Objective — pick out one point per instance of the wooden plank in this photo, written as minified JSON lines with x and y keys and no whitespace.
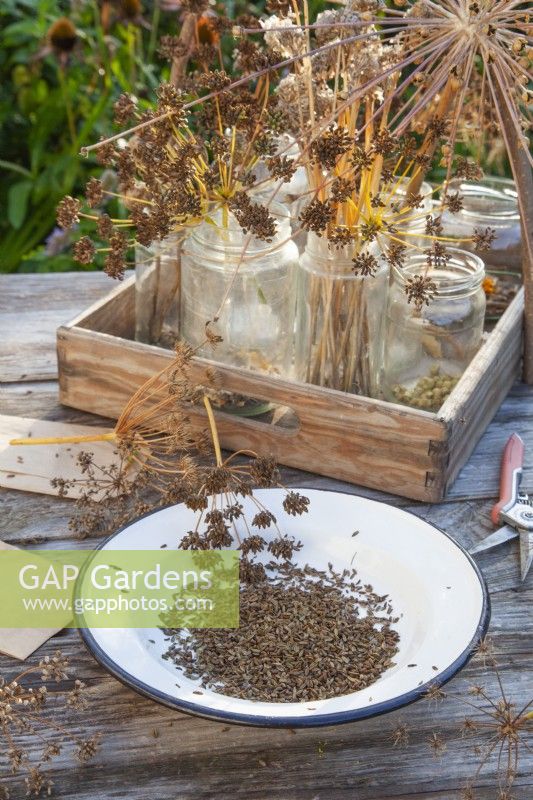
{"x":114,"y":313}
{"x":146,"y":745}
{"x":480,"y":475}
{"x":31,"y":309}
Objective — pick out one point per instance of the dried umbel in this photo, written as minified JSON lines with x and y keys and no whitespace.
{"x":22,"y":721}
{"x":216,"y":493}
{"x":153,"y":428}
{"x":162,"y":457}
{"x":498,"y":729}
{"x":483,"y":46}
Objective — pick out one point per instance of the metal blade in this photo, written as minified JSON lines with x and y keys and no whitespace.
{"x":504,"y":534}
{"x":526,"y":552}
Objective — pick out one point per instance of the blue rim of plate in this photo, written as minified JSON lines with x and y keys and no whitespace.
{"x":320,"y":720}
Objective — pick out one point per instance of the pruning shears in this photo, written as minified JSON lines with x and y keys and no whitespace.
{"x":514,"y":508}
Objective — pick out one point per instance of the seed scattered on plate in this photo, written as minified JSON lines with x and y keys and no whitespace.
{"x":304,"y":635}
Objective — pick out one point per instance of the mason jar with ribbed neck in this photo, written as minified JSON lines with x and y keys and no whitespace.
{"x":428,"y":346}
{"x":249,"y":284}
{"x":488,"y":203}
{"x":339,"y":317}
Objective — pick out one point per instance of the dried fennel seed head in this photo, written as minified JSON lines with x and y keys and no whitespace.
{"x":304,"y":635}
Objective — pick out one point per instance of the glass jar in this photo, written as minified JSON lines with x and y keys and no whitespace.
{"x":489,"y":203}
{"x":157,"y":278}
{"x":254,"y":282}
{"x":428,"y":347}
{"x":339,"y":318}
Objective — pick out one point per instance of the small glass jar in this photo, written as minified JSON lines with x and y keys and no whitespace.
{"x":157,"y":278}
{"x":339,"y":318}
{"x":249,"y":283}
{"x":428,"y":347}
{"x":489,"y":203}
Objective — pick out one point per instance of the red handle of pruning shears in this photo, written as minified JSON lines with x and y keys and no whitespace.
{"x":512,"y":463}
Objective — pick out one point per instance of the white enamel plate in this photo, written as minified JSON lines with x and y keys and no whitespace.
{"x":435,"y":588}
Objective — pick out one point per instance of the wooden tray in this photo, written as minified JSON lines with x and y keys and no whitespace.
{"x":382,"y":445}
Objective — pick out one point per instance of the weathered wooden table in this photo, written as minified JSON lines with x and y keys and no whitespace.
{"x":152,"y":752}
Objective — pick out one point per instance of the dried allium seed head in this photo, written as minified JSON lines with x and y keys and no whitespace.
{"x":281,"y":167}
{"x":104,"y":226}
{"x":253,"y":217}
{"x":67,"y":212}
{"x":437,"y":744}
{"x":87,"y":748}
{"x":124,"y":108}
{"x":106,"y":153}
{"x":420,"y":290}
{"x":83,"y":250}
{"x":483,"y":239}
{"x":264,"y":519}
{"x":454,"y":202}
{"x":94,"y":192}
{"x":54,"y":667}
{"x":295,"y":503}
{"x":400,"y":735}
{"x":325,"y":150}
{"x":365,"y":264}
{"x":172,"y":47}
{"x":468,"y":170}
{"x":264,"y":472}
{"x":317,"y":215}
{"x":253,"y":544}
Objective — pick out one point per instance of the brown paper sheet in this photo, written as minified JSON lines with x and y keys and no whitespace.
{"x":30,"y":468}
{"x":22,"y":642}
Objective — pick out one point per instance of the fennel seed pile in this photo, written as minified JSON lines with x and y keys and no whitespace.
{"x":304,"y":635}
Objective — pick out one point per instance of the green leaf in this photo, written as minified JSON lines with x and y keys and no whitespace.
{"x":15,"y":168}
{"x":17,"y":202}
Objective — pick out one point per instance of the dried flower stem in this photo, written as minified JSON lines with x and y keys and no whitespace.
{"x":214,"y":431}
{"x":523,"y":177}
{"x":98,"y":437}
{"x":187,"y":36}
